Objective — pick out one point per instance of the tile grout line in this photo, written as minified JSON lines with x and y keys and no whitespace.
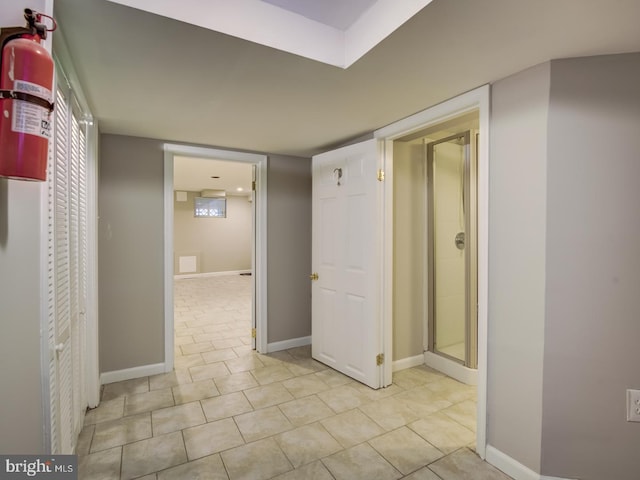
{"x":301,"y":369}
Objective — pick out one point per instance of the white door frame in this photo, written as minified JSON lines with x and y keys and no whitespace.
{"x":475,"y":99}
{"x":260,"y":265}
{"x":92,"y":367}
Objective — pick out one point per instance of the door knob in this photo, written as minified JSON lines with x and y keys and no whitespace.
{"x":314,"y":276}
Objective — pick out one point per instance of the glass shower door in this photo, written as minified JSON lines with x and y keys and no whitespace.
{"x":451,"y":249}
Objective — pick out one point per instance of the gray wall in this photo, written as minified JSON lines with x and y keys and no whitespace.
{"x":222,"y":244}
{"x":593,"y":269}
{"x":288,"y":247}
{"x":564,"y":267}
{"x":517,"y":218}
{"x":131,"y":261}
{"x":409,"y":249}
{"x":130,"y":252}
{"x":21,"y":398}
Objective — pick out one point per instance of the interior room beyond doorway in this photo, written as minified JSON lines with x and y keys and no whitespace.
{"x":213,"y":236}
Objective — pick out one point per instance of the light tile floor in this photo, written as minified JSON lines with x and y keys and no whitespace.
{"x":227,"y":412}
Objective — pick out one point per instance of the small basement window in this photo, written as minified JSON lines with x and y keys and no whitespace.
{"x":210,"y":207}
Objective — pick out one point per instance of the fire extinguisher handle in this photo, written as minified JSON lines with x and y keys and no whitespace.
{"x":34,"y":22}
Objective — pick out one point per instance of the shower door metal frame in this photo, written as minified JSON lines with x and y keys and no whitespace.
{"x":470,"y":249}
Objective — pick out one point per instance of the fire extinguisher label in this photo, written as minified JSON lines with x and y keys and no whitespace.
{"x":29,"y":117}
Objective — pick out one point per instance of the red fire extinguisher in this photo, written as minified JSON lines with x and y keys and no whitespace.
{"x":26,"y":99}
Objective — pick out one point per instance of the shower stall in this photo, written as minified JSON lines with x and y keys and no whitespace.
{"x":452,"y":248}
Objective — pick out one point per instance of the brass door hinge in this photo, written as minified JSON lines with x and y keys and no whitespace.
{"x":379,"y":359}
{"x":314,"y":276}
{"x":380,"y":175}
{"x":253,"y":333}
{"x":253,"y":186}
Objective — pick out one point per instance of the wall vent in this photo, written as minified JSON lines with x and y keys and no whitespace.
{"x":188,"y":264}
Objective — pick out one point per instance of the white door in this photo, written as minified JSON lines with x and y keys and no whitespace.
{"x":67,"y":276}
{"x":347,"y":259}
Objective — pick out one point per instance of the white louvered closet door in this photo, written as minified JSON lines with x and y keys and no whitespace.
{"x":67,"y":275}
{"x":78,"y":264}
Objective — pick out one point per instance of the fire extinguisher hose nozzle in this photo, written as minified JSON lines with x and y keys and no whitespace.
{"x":34,"y":22}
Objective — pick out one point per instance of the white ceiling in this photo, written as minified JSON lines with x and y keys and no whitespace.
{"x":194,"y":175}
{"x":151,"y":76}
{"x":304,"y":27}
{"x":340,"y":14}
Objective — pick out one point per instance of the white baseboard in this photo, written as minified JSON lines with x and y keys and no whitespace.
{"x":210,"y":274}
{"x":508,"y":465}
{"x":455,"y":370}
{"x":408,"y":362}
{"x":286,"y":344}
{"x":129,"y":373}
{"x":512,"y":467}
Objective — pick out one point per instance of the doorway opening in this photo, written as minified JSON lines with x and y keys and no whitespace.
{"x":436,"y":302}
{"x":213,"y":243}
{"x":202,"y":259}
{"x":436,"y":192}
